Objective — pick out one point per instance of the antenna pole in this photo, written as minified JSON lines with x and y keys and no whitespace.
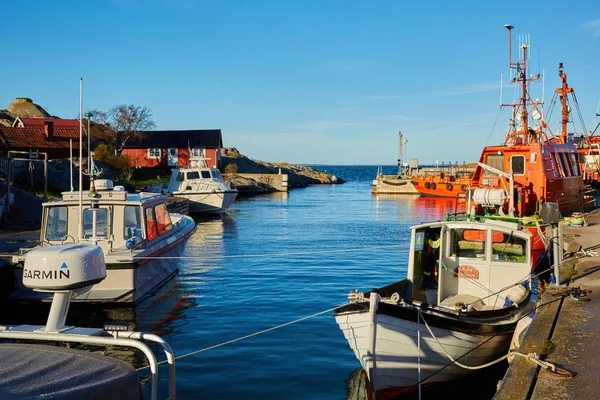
{"x":80,"y":158}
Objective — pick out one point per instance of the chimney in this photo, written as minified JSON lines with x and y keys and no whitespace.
{"x":49,"y":129}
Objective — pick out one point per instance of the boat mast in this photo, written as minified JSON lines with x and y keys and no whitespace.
{"x":563,"y":100}
{"x":520,"y":109}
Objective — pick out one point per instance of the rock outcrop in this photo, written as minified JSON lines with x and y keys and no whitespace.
{"x":299,"y":176}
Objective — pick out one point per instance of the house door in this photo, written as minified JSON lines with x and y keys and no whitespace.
{"x":173,"y":157}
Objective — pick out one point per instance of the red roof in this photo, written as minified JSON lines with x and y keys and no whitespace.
{"x":58,"y":122}
{"x":35,"y":138}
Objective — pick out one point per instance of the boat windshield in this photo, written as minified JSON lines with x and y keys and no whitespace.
{"x":217,"y":175}
{"x":56,"y":225}
{"x":101,"y":222}
{"x":133,"y":222}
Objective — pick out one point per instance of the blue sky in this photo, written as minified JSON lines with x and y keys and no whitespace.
{"x":329,"y":82}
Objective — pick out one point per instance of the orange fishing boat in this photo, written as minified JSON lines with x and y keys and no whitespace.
{"x":533,"y":166}
{"x":442,"y":184}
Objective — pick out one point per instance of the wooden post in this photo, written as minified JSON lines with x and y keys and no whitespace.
{"x":45,"y":176}
{"x":7,"y":198}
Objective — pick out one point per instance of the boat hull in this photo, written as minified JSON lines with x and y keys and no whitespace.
{"x":398,"y":354}
{"x":209,"y":202}
{"x":128,"y":279}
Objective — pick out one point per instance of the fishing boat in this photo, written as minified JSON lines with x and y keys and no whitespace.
{"x":204,"y":187}
{"x":466,"y":288}
{"x":532,"y":166}
{"x":140,"y":239}
{"x":442,"y":184}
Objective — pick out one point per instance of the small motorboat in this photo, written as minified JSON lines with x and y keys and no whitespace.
{"x":140,"y":238}
{"x":204,"y":187}
{"x":466,"y":289}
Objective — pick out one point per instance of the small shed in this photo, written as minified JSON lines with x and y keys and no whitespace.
{"x":176,"y":148}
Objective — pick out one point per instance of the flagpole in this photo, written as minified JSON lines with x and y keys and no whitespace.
{"x":80,"y":158}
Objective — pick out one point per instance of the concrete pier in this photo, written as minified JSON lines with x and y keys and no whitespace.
{"x":565,"y":329}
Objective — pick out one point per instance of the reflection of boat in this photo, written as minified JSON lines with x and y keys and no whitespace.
{"x":128,"y":227}
{"x":463,"y":296}
{"x":204,"y":187}
{"x":442,"y":184}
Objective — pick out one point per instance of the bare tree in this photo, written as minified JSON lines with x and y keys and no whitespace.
{"x":120,"y":124}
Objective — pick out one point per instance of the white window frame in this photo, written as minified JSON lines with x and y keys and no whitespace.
{"x":152,"y":152}
{"x":197,"y":152}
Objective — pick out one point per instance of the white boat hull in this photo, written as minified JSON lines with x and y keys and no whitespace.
{"x":398,"y":356}
{"x":209,"y":202}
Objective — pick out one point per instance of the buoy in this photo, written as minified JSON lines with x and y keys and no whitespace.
{"x":449,"y":186}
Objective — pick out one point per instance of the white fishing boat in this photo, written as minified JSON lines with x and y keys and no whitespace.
{"x":467,"y":287}
{"x":140,"y":239}
{"x":203,"y":186}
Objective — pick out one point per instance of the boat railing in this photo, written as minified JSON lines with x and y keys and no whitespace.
{"x":107,"y":337}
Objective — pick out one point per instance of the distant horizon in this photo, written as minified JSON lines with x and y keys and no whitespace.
{"x":310,"y":81}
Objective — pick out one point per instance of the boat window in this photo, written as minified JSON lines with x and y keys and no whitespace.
{"x":567,"y":163}
{"x":216,"y":174}
{"x":193,"y":175}
{"x":179,"y":177}
{"x":206,"y":174}
{"x":511,"y":249}
{"x":574,"y":163}
{"x":467,"y":243}
{"x":150,"y":224}
{"x":163,"y":219}
{"x":133,"y":222}
{"x":517,"y":164}
{"x":495,"y":161}
{"x":56,"y":227}
{"x":101,"y":223}
{"x":559,"y":166}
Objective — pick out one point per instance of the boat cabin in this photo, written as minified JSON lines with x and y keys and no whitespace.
{"x":122,"y":220}
{"x":540,"y":172}
{"x":468,"y":265}
{"x":196,"y":179}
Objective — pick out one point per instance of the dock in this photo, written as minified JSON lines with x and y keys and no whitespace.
{"x":566,"y":328}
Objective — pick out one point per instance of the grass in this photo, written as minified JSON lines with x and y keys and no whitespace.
{"x":144,"y":178}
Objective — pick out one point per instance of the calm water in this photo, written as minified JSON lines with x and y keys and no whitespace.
{"x":270,"y":260}
{"x":273,"y":259}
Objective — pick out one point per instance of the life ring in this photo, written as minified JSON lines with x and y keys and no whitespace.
{"x":449,"y":187}
{"x":432,"y":186}
{"x":427,"y":185}
{"x":463,"y":188}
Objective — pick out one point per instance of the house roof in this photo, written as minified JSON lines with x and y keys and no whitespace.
{"x":204,"y":138}
{"x":35,"y":138}
{"x":58,"y":122}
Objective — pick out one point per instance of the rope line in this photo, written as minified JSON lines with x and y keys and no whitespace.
{"x":249,"y":336}
{"x":253,"y":255}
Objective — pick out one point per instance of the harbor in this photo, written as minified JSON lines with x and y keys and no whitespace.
{"x":273,"y":203}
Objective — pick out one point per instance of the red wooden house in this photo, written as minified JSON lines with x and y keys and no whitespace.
{"x":22,"y":122}
{"x":41,"y":138}
{"x":166,"y":149}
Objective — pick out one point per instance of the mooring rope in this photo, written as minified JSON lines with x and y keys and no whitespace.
{"x":295,"y":253}
{"x":250,"y":335}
